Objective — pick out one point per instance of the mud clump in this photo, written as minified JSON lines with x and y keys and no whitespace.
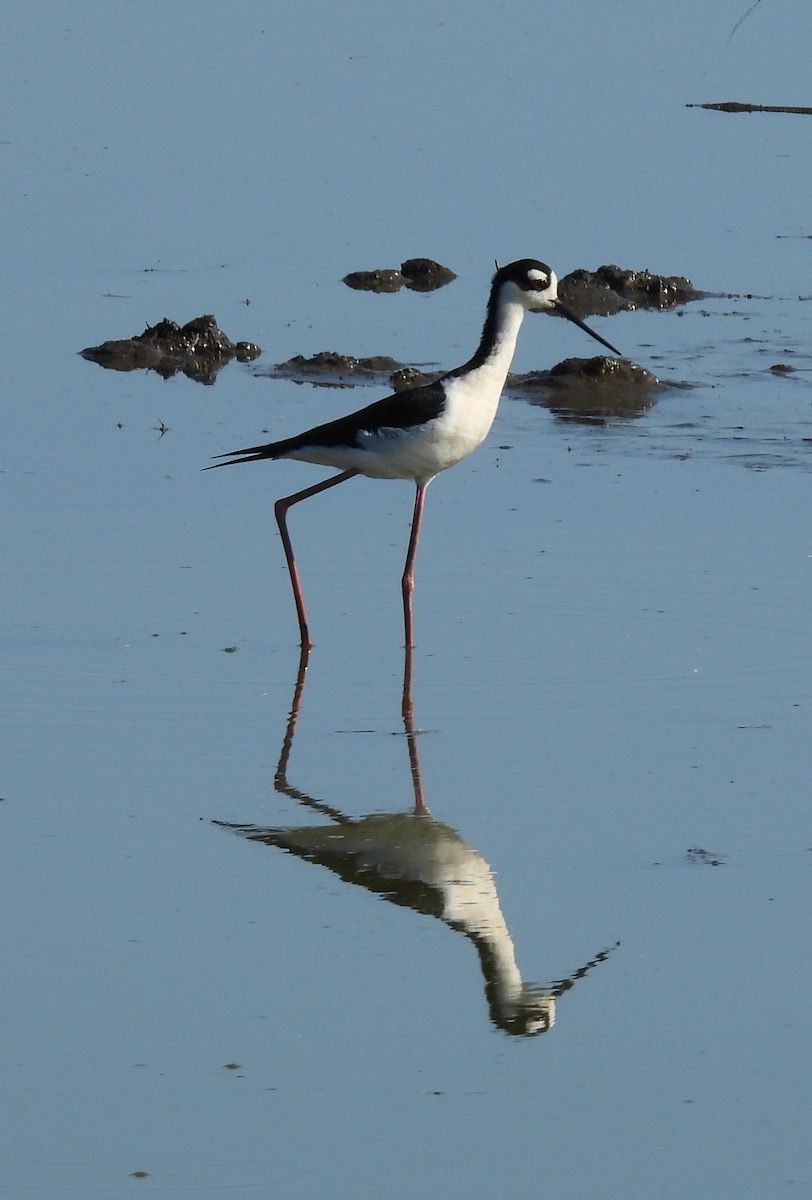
{"x":425,"y":275}
{"x":593,"y":390}
{"x":418,"y":274}
{"x":601,"y":370}
{"x":332,"y":369}
{"x":382,"y":279}
{"x":613,"y":289}
{"x":198,"y":349}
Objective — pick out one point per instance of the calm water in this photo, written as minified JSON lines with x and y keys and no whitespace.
{"x":613,"y":676}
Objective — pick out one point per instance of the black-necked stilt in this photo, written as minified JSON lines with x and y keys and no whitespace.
{"x":418,"y":433}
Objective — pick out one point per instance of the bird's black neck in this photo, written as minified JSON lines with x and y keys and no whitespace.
{"x":497,"y":327}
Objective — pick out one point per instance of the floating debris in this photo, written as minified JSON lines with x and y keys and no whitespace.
{"x":733,"y":106}
{"x":695,"y":854}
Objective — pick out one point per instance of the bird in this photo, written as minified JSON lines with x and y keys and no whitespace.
{"x":417,"y":433}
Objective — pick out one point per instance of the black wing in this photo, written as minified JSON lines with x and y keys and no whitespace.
{"x":402,"y":410}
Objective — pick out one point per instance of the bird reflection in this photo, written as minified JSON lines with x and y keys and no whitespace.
{"x":414,"y":860}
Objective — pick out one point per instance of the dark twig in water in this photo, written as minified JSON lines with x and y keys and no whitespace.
{"x":733,"y":106}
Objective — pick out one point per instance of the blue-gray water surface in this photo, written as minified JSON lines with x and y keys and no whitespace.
{"x":613,"y":672}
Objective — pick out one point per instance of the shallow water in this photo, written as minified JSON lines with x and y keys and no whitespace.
{"x":613,"y":674}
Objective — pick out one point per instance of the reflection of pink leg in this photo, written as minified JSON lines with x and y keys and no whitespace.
{"x":407,"y":583}
{"x":407,"y":709}
{"x":280,"y":509}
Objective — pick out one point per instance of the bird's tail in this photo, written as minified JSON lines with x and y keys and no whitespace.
{"x":249,"y":454}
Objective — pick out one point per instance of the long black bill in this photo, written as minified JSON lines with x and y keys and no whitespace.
{"x":565,"y":312}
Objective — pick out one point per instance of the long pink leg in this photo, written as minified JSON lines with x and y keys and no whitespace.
{"x":280,"y":510}
{"x":407,"y":583}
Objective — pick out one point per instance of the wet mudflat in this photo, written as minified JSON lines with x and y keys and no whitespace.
{"x":236,"y":961}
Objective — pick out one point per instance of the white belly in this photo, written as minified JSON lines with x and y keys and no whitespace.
{"x":420,"y":452}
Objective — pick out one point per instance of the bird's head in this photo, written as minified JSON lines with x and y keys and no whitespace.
{"x":535,"y":286}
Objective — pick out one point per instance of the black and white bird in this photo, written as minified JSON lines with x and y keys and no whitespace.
{"x":418,"y":433}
